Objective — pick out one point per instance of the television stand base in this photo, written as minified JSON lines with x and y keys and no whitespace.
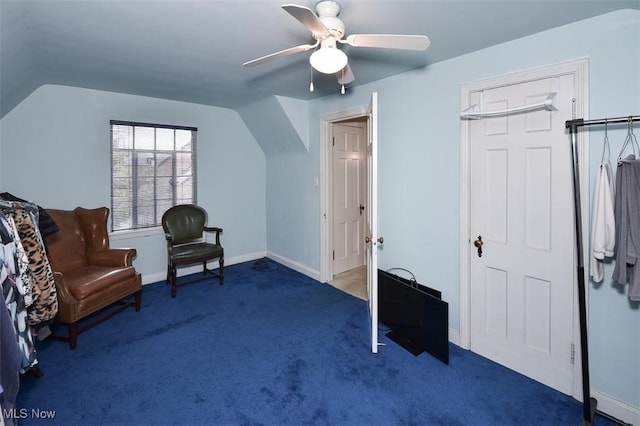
{"x":404,"y":342}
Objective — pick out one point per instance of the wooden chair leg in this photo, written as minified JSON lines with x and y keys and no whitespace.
{"x":221,"y":270}
{"x":173,"y":281}
{"x":73,"y":335}
{"x":138,"y":299}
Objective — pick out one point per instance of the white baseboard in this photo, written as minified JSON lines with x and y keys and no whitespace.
{"x":618,"y":409}
{"x":161,"y":276}
{"x":312,"y":273}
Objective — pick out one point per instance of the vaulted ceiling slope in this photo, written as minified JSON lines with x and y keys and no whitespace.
{"x":193,"y":51}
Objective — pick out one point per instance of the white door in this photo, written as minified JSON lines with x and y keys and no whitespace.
{"x":348,"y":152}
{"x":521,"y":207}
{"x":372,"y":238}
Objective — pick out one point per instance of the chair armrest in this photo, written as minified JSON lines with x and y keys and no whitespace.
{"x":216,"y":230}
{"x":62,"y":289}
{"x":66,"y":302}
{"x":113,"y":257}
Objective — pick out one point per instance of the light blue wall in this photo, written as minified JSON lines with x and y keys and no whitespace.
{"x":292,"y":206}
{"x":56,"y":152}
{"x":419,"y":138}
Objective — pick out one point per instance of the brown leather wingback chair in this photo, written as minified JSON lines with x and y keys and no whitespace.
{"x":89,"y":275}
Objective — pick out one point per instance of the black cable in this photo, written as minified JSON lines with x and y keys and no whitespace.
{"x":413,"y":277}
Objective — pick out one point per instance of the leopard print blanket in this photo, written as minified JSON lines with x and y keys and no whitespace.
{"x":45,"y":301}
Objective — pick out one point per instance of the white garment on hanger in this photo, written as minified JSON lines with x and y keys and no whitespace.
{"x":612,"y":183}
{"x":603,"y":225}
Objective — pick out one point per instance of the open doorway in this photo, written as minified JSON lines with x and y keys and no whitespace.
{"x":344,"y":178}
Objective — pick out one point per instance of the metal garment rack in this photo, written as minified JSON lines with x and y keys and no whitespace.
{"x":589,"y":404}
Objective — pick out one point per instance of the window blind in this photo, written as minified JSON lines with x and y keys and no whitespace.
{"x":153,"y":167}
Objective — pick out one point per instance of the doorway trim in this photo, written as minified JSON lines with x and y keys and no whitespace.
{"x":578,"y":68}
{"x":326,"y":123}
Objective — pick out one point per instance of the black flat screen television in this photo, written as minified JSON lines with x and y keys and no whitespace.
{"x":417,"y":316}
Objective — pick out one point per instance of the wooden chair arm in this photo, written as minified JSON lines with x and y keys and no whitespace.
{"x":216,"y":230}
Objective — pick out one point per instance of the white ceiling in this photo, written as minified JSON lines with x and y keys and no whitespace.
{"x":193,"y":50}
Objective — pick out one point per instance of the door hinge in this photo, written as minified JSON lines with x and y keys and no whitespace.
{"x":334,"y":255}
{"x":573,"y":353}
{"x":333,"y":139}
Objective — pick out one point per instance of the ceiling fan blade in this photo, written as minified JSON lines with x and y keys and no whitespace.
{"x":308,"y":19}
{"x":285,"y":52}
{"x":389,"y":41}
{"x":345,"y":75}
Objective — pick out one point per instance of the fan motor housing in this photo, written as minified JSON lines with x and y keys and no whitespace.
{"x":328,"y":12}
{"x":334,"y":25}
{"x":328,"y":8}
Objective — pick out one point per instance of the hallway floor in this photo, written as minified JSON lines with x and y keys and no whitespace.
{"x":353,"y":282}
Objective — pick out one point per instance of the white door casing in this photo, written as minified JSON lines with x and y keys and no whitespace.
{"x":520,"y":294}
{"x":348,"y":163}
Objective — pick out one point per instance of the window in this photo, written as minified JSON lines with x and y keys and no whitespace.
{"x":153,"y":167}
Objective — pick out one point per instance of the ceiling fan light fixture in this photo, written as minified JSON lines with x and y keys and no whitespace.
{"x":328,"y":60}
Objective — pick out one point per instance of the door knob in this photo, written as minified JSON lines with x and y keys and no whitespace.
{"x":478,"y":243}
{"x":380,"y":240}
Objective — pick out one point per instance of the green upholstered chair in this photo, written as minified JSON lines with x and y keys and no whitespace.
{"x":185,"y":228}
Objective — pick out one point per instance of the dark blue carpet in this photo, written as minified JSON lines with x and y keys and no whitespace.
{"x":270,"y":347}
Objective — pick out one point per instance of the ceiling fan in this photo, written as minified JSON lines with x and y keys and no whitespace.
{"x":328,"y":30}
